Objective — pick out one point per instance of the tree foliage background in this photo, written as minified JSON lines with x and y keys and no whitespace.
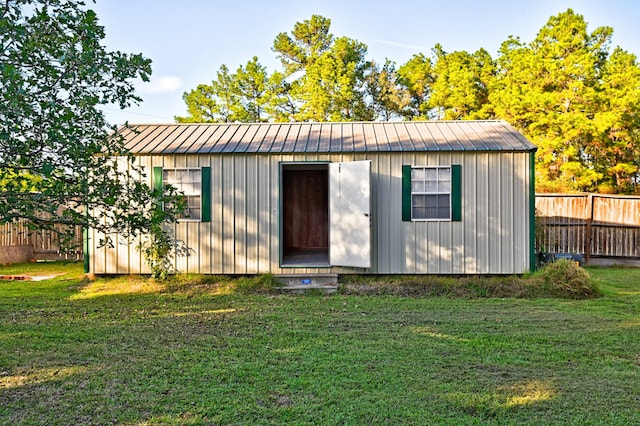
{"x":568,"y":91}
{"x":59,"y":157}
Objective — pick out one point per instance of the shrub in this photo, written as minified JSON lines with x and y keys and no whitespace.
{"x":565,"y":278}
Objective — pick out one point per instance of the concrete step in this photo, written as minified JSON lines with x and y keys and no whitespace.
{"x":299,"y":283}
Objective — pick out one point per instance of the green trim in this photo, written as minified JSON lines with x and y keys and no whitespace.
{"x":85,"y":250}
{"x":280,"y":210}
{"x":532,"y":211}
{"x":456,"y":193}
{"x":157,"y":179}
{"x":206,"y":195}
{"x":406,"y":193}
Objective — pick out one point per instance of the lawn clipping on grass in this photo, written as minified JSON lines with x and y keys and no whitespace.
{"x":198,"y":350}
{"x":562,"y":279}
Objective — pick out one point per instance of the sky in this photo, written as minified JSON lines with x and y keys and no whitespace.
{"x":188,"y":40}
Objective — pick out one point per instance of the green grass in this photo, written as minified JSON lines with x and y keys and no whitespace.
{"x":131,"y":351}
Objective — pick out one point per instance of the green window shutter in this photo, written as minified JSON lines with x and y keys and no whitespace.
{"x":205,"y":195}
{"x":157,"y":178}
{"x":406,"y":193}
{"x":456,"y":193}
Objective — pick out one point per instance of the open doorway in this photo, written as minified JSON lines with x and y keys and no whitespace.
{"x":305,"y":214}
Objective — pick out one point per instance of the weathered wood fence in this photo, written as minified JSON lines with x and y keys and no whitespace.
{"x":42,"y":244}
{"x":594,"y":225}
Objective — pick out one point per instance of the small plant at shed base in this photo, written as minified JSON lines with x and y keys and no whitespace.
{"x":161,"y":246}
{"x":159,"y":251}
{"x":565,"y":278}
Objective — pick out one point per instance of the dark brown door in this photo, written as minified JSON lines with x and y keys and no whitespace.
{"x":306,"y":209}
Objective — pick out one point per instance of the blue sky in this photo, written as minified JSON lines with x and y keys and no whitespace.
{"x":188,"y":40}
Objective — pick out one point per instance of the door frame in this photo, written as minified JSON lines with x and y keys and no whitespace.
{"x":299,"y":165}
{"x":319,"y":165}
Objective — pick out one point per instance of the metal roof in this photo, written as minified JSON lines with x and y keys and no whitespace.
{"x":397,"y":136}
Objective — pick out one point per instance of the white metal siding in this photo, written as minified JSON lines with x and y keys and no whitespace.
{"x":243,"y":235}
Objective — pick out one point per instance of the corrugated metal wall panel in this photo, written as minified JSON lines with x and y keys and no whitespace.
{"x":265,"y":210}
{"x":243,"y":235}
{"x":469,"y":220}
{"x":228,"y":215}
{"x":382,"y":218}
{"x":481,"y":231}
{"x":520,"y":212}
{"x":506,"y":220}
{"x":251,"y":213}
{"x":217,"y":214}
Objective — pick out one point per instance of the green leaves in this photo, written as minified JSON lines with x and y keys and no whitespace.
{"x":59,"y":157}
{"x":245,"y":96}
{"x":569,"y":95}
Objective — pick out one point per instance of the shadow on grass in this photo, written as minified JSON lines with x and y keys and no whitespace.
{"x":104,"y":352}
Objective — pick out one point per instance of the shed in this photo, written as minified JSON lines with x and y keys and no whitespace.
{"x":430,"y":197}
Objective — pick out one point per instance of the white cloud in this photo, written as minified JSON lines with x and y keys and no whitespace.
{"x":163,"y":84}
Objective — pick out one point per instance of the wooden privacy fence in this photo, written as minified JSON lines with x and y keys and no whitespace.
{"x":594,"y":225}
{"x":43,"y":244}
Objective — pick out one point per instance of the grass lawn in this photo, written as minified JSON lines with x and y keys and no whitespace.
{"x":133,"y":352}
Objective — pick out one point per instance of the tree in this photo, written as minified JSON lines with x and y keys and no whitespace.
{"x":59,"y":157}
{"x":328,"y":74}
{"x":549,"y":90}
{"x":460,"y":87}
{"x":248,"y":95}
{"x":281,"y":106}
{"x":332,"y":86}
{"x":615,"y":151}
{"x":310,"y":40}
{"x":210,"y":103}
{"x":252,"y":85}
{"x":387,"y":97}
{"x":417,"y":77}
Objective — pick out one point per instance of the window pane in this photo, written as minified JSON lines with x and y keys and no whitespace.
{"x":417,"y":174}
{"x":443,"y":207}
{"x":431,"y":206}
{"x":194,"y":176}
{"x":187,"y":188}
{"x":443,"y":213}
{"x":417,"y":186}
{"x":431,"y":186}
{"x":431,"y":174}
{"x":419,"y":213}
{"x":444,"y":173}
{"x":419,"y":201}
{"x":195,"y":214}
{"x":193,"y":207}
{"x":445,"y":186}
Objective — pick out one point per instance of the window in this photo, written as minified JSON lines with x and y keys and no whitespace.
{"x":189,"y":183}
{"x":430,"y":193}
